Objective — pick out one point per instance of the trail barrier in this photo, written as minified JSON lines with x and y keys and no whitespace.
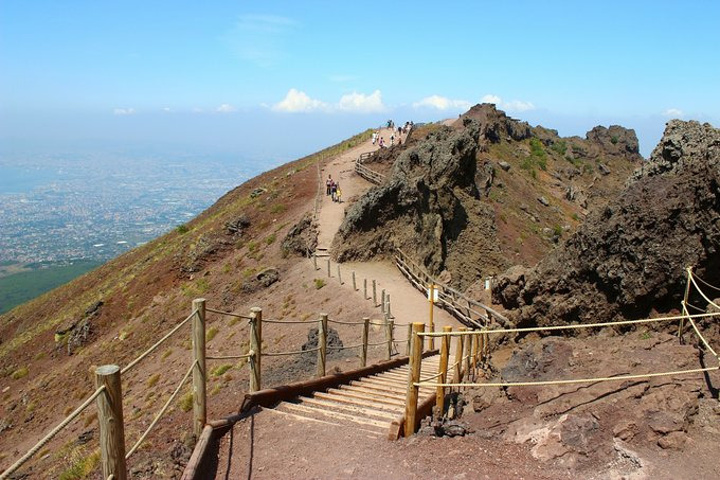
{"x":471,"y":348}
{"x":468,"y":311}
{"x":366,"y":173}
{"x":109,"y":398}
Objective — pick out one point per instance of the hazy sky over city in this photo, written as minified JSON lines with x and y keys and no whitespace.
{"x":289,"y":77}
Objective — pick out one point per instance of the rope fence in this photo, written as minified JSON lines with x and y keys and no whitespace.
{"x":51,"y":434}
{"x":471,"y":351}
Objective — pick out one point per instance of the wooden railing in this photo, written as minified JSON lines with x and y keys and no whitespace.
{"x":366,"y":173}
{"x":468,"y":311}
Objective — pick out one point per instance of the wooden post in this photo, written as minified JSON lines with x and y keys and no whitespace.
{"x":474,"y":356}
{"x":339,"y":276}
{"x":199,"y":372}
{"x":431,"y":300}
{"x":354,"y":282}
{"x":389,"y":326}
{"x":256,"y":349}
{"x":388,"y":312}
{"x":328,"y":265}
{"x":444,"y":355}
{"x":366,"y":330}
{"x":382,"y":300}
{"x":681,"y":327}
{"x":315,"y":261}
{"x":411,"y":400}
{"x":374,"y":285}
{"x":322,"y":344}
{"x":481,"y":347}
{"x":110,"y":420}
{"x":365,"y":288}
{"x":486,"y":347}
{"x":467,"y":350}
{"x":459,"y":343}
{"x":409,"y":339}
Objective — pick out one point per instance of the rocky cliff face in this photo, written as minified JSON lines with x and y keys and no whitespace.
{"x":430,"y":206}
{"x":472,"y":199}
{"x":629,"y":257}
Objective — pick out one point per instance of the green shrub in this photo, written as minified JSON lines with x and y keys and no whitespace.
{"x":20,"y":373}
{"x":182,"y":229}
{"x":220,"y":370}
{"x":560,"y":147}
{"x":319,"y":283}
{"x":271,"y":239}
{"x":210,"y":334}
{"x":186,"y":402}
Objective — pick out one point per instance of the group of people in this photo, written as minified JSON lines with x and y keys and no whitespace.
{"x":333,"y":189}
{"x":379,"y":140}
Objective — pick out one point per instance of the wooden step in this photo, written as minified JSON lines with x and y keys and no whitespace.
{"x":303,"y":418}
{"x":314,"y":412}
{"x":333,"y":406}
{"x":351,"y":392}
{"x":360,"y":402}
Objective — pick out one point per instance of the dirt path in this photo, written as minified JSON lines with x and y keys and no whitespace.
{"x":407,"y":303}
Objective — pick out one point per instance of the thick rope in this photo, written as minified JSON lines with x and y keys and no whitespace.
{"x":565,"y":382}
{"x":692,"y":279}
{"x":22,"y":460}
{"x":697,"y":331}
{"x":228,"y":357}
{"x":229,"y":314}
{"x":562,"y":327}
{"x":289,"y":322}
{"x":706,"y":283}
{"x":161,"y":412}
{"x":157,"y":344}
{"x":282,"y":354}
{"x":344,"y":323}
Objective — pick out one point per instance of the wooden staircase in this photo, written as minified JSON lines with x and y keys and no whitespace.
{"x":370,"y":404}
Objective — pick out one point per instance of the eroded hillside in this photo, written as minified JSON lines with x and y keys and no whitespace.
{"x":472,"y":199}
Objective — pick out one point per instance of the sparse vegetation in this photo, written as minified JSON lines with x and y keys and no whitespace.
{"x":220,"y":370}
{"x":20,"y":373}
{"x":186,"y":402}
{"x":182,"y":229}
{"x":152,"y":381}
{"x":270,"y":239}
{"x":211,"y":333}
{"x":319,"y":283}
{"x":82,"y":465}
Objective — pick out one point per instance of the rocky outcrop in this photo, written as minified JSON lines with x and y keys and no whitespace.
{"x":495,"y":125}
{"x":302,"y":239}
{"x":629,"y":257}
{"x":430,"y":206}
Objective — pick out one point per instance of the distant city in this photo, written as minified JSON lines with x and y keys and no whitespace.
{"x":60,"y":208}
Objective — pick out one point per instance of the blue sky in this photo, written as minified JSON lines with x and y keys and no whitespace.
{"x":283,"y":78}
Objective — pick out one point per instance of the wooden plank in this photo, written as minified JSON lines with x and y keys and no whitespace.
{"x":350,"y":392}
{"x":302,"y":418}
{"x":319,"y":411}
{"x":331,"y":406}
{"x":352,"y":400}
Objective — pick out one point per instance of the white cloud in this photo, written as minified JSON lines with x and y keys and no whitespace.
{"x":510,"y":106}
{"x":359,"y":102}
{"x":492,"y":99}
{"x":297,"y":101}
{"x":673,"y":112}
{"x":442,"y":103}
{"x":167,"y":109}
{"x":124,"y":111}
{"x":225,"y":108}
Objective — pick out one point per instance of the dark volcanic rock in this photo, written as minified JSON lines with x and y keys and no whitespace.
{"x":302,"y":239}
{"x":430,"y":204}
{"x":630,"y":256}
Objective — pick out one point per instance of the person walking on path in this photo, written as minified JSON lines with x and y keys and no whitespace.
{"x":328,"y":185}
